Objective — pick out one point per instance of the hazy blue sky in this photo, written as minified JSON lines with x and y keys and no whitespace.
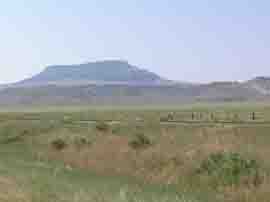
{"x":193,"y":40}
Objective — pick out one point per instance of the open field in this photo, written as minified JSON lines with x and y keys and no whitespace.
{"x":58,"y":154}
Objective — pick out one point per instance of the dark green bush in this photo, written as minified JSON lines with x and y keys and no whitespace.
{"x":59,"y":144}
{"x":231,"y":169}
{"x":140,"y":141}
{"x":102,"y":126}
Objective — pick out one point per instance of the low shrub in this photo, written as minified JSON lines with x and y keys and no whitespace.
{"x":59,"y":144}
{"x":116,"y":130}
{"x":140,"y":141}
{"x":102,"y":126}
{"x":231,"y":169}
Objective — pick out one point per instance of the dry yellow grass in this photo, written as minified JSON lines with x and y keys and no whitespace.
{"x":172,"y":158}
{"x":11,"y":192}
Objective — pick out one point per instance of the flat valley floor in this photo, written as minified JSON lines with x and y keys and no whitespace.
{"x":196,"y":153}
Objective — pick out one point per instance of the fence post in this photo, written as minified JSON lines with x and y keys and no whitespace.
{"x":212,"y":116}
{"x":253,"y":117}
{"x":170,"y":116}
{"x":200,"y":116}
{"x":236,"y":117}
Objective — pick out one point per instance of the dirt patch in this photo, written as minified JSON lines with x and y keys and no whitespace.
{"x":110,"y":154}
{"x":11,"y":192}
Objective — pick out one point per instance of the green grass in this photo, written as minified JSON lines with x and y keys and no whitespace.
{"x":102,"y":165}
{"x":52,"y":181}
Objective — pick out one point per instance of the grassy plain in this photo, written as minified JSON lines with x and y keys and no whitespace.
{"x":60,"y":154}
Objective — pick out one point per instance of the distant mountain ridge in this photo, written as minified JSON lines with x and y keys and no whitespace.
{"x":116,"y":82}
{"x":103,"y":72}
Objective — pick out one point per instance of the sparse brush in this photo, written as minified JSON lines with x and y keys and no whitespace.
{"x":59,"y":144}
{"x":116,"y":130}
{"x":228,"y":168}
{"x":140,"y":141}
{"x":102,"y":126}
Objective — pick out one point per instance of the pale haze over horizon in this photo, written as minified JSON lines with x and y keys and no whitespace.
{"x":198,"y":41}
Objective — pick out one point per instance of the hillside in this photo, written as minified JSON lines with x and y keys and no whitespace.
{"x":112,"y":94}
{"x":103,"y":72}
{"x":260,"y":84}
{"x":119,"y":83}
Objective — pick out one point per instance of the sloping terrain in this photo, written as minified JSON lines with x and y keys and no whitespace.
{"x":95,"y":94}
{"x":119,"y":83}
{"x":103,"y":72}
{"x":260,"y":84}
{"x":112,"y":94}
